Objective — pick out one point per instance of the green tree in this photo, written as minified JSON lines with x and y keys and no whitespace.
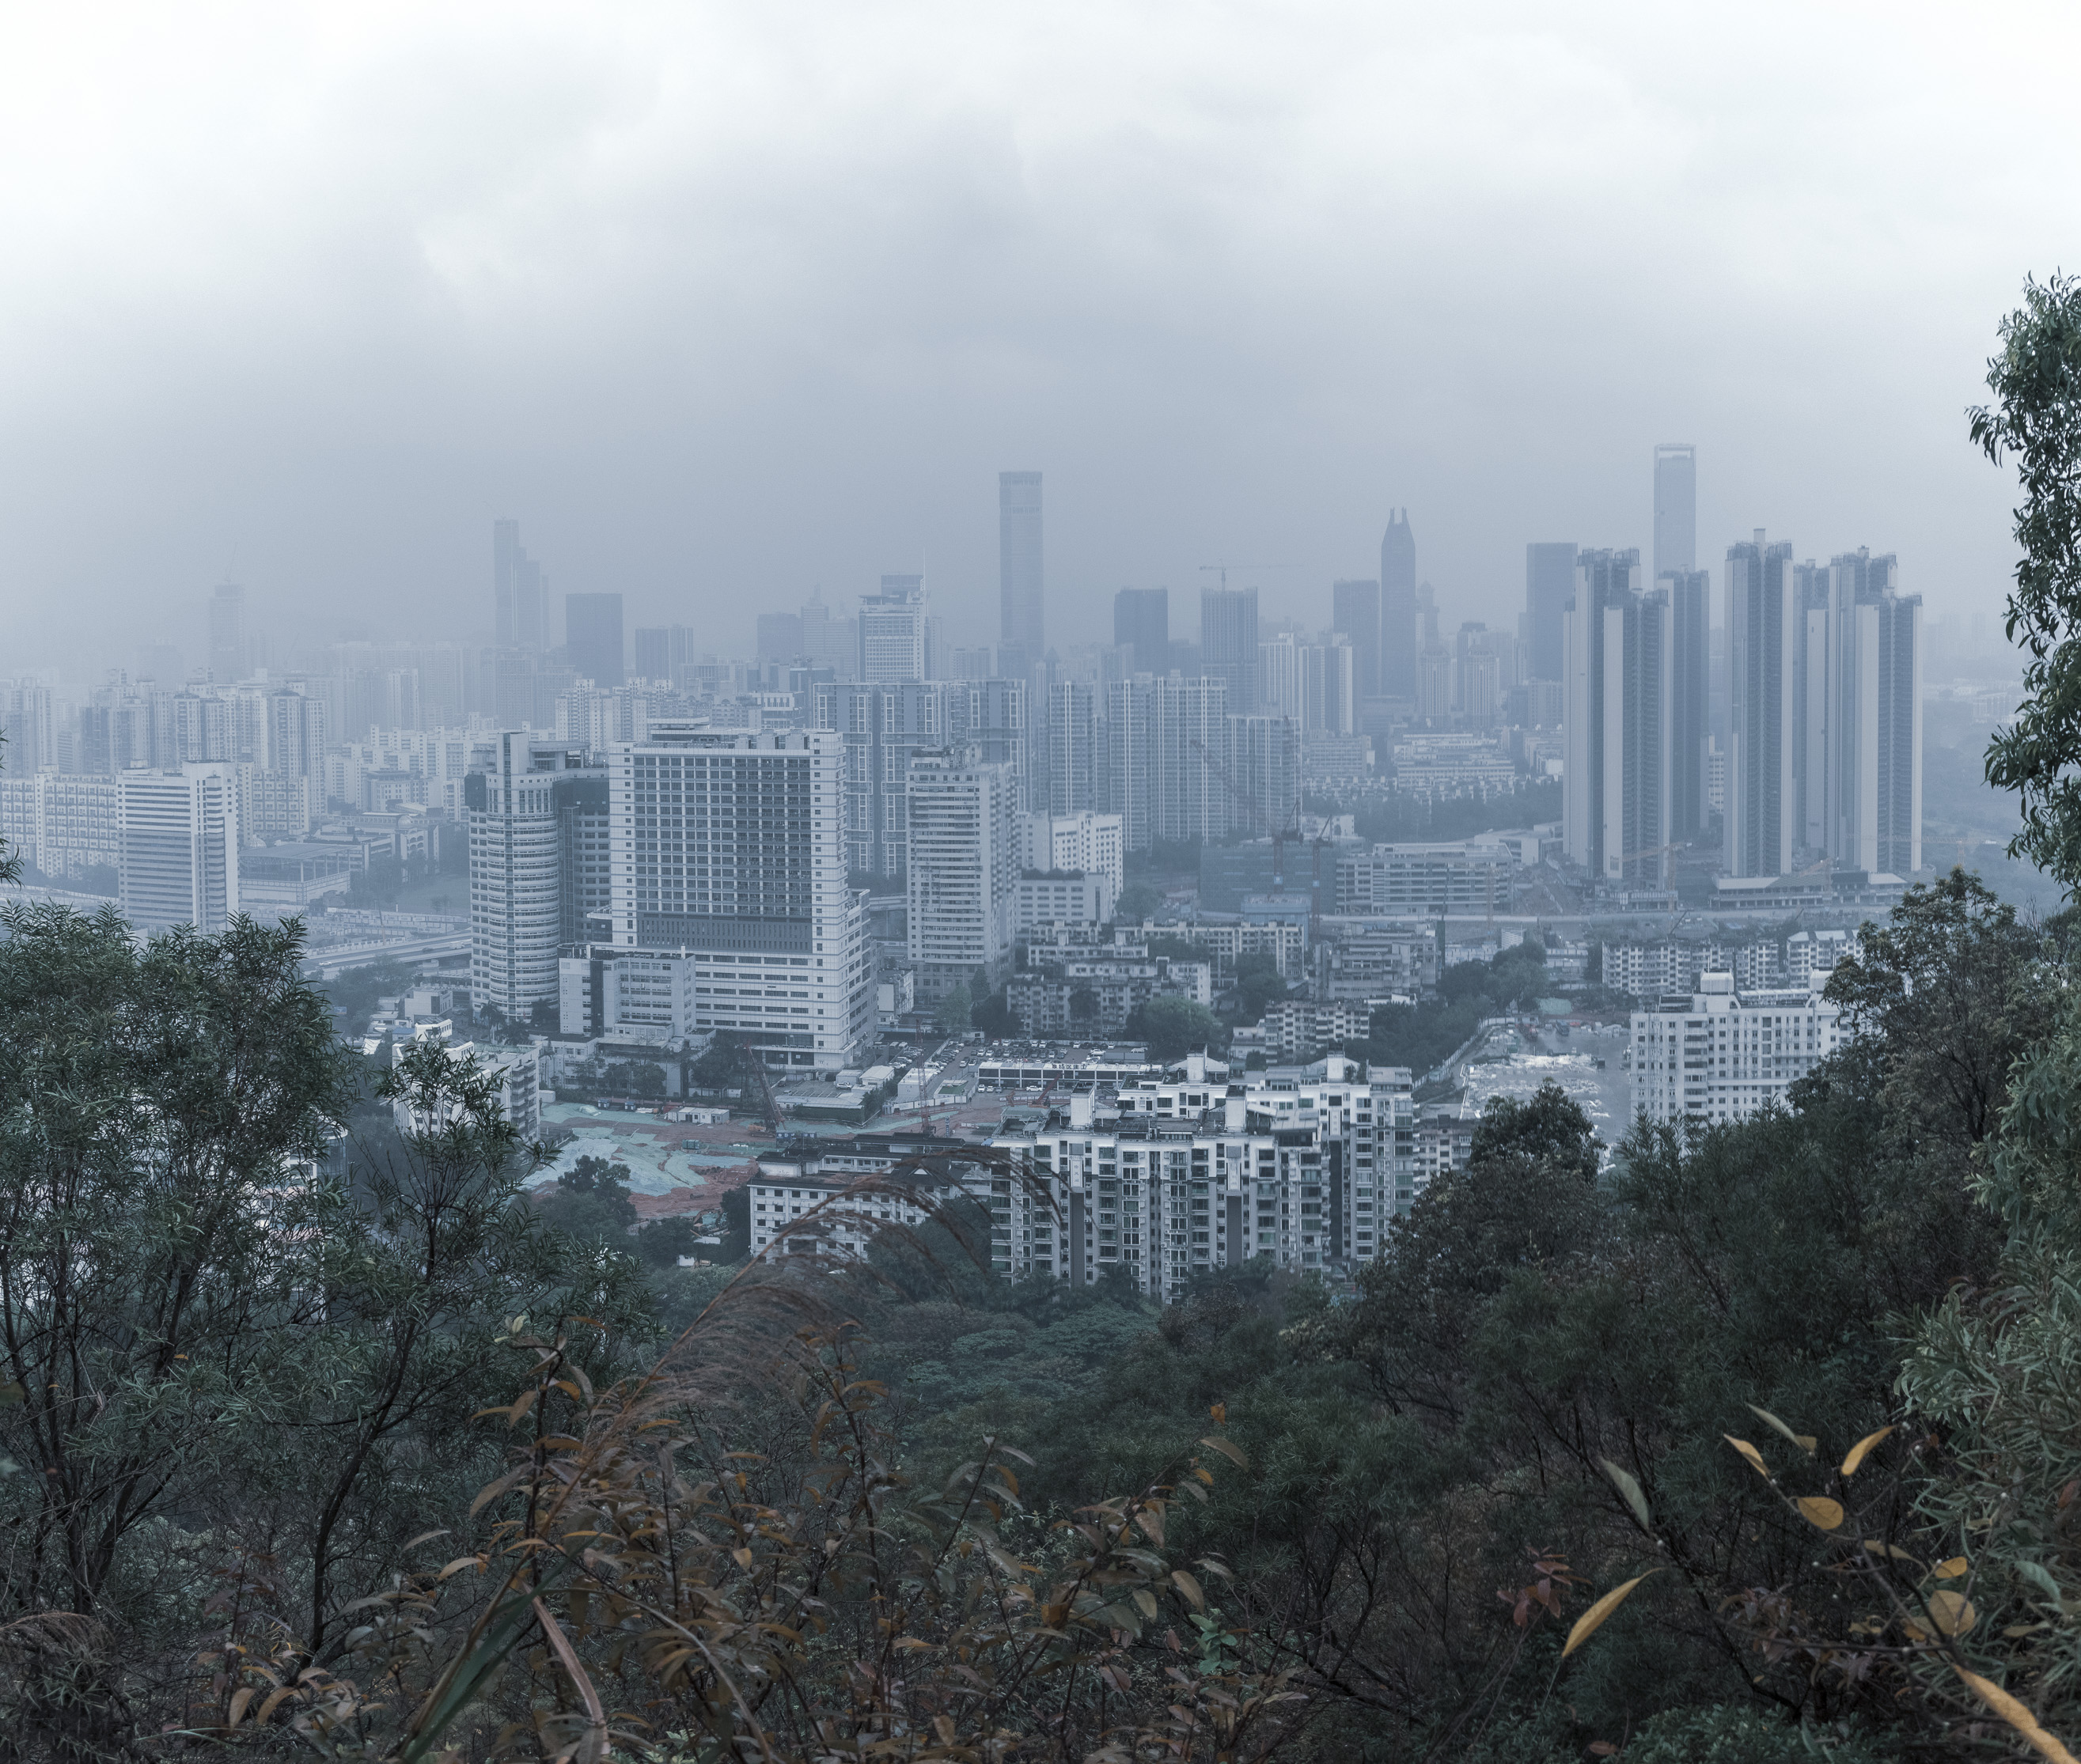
{"x":2036,"y":418}
{"x":1953,"y":988}
{"x":1174,"y":1027}
{"x":1136,"y":902}
{"x":952,"y":1014}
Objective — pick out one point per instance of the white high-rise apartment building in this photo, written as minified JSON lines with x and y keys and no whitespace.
{"x":1086,"y":841}
{"x":178,"y":840}
{"x":728,"y":849}
{"x":1719,"y":1055}
{"x":1874,"y":716}
{"x":964,"y":851}
{"x":1620,"y":666}
{"x":515,"y":880}
{"x":1763,"y":634}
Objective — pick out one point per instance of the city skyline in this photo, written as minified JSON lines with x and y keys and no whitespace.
{"x":438,"y":342}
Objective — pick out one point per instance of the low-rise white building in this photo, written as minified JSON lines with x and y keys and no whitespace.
{"x":1719,"y":1055}
{"x":1042,"y":897}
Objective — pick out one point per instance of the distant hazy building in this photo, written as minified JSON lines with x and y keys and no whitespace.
{"x":230,"y":656}
{"x":1399,"y":644}
{"x":592,"y":638}
{"x":1549,"y":584}
{"x":665,"y":655}
{"x":895,"y":635}
{"x":779,"y":636}
{"x":1161,"y":734}
{"x":1076,"y":749}
{"x":1762,"y":830}
{"x":1314,"y":684}
{"x":1690,"y":714}
{"x":729,"y":851}
{"x":1676,"y":509}
{"x":1019,"y":563}
{"x":29,"y":718}
{"x":1874,"y":716}
{"x":179,"y":841}
{"x":1355,"y":612}
{"x":880,"y":727}
{"x":1618,"y":667}
{"x":1142,"y":624}
{"x":964,"y":858}
{"x":518,"y":591}
{"x":1228,"y":643}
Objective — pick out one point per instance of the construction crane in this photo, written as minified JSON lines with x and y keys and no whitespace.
{"x":761,"y":1088}
{"x":1222,"y":569}
{"x":1289,"y":829}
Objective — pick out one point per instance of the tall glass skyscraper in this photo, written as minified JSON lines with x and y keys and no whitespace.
{"x":1398,"y":641}
{"x":1020,"y":578}
{"x":1228,"y":644}
{"x":1676,"y":508}
{"x":1549,"y":584}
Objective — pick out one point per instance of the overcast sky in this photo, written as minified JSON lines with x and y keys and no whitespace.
{"x":727,"y":303}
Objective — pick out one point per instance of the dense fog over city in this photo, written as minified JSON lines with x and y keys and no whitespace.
{"x":731,"y":304}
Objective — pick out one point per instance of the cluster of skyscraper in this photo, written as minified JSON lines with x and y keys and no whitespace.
{"x":1820,"y":759}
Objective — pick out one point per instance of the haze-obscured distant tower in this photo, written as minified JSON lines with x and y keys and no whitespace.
{"x":1690,"y":719}
{"x":1141,"y":622}
{"x":517,"y":592}
{"x":1762,"y":620}
{"x":1617,"y":672}
{"x":1355,"y":612}
{"x":592,"y":638}
{"x":1676,"y":508}
{"x":1228,"y":644}
{"x":1019,"y":563}
{"x":1874,"y":716}
{"x":895,"y":632}
{"x":1549,"y":584}
{"x":1399,"y":644}
{"x":229,"y":659}
{"x":965,"y":848}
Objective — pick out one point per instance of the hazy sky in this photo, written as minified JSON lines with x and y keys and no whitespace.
{"x":728,"y":302}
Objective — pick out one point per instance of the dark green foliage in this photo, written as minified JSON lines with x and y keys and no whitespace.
{"x":1258,"y":984}
{"x":952,"y":1013}
{"x":1174,"y":1027}
{"x":993,"y":1015}
{"x":1955,"y":989}
{"x":2035,"y":420}
{"x":1419,"y":1036}
{"x":590,"y":1201}
{"x":643,"y":1078}
{"x":1136,"y":902}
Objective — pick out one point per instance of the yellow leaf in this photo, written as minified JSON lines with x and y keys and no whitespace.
{"x":742,"y":1558}
{"x":1592,"y":1619}
{"x":1220,"y":1412}
{"x":1856,"y":1457}
{"x":1888,"y":1549}
{"x":2017,"y":1716}
{"x":1190,"y":1587}
{"x":1953,"y":1613}
{"x":1751,"y":1453}
{"x":239,"y":1699}
{"x":1145,"y":1601}
{"x":1951,"y":1569}
{"x":1819,"y":1511}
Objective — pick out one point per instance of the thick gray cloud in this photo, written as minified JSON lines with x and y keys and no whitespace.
{"x":730,"y":302}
